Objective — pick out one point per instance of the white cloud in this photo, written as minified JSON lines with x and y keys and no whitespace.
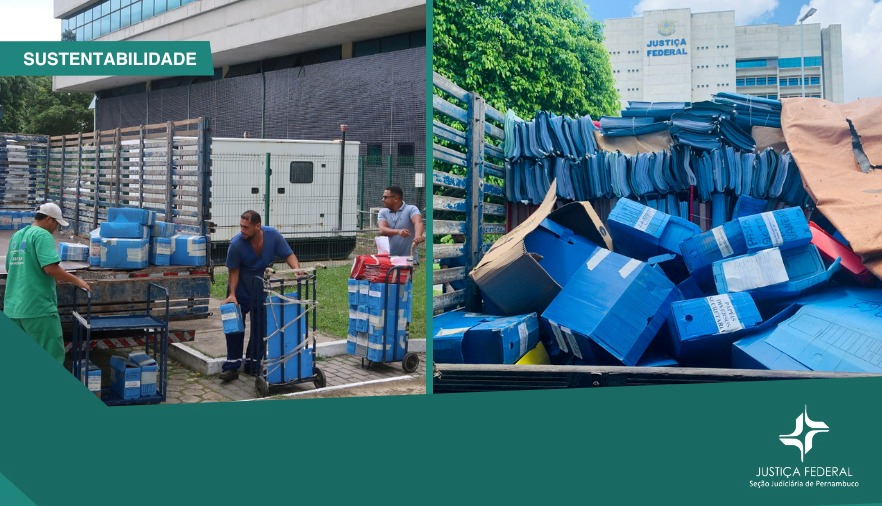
{"x":746,"y":11}
{"x":28,"y":21}
{"x":861,"y":22}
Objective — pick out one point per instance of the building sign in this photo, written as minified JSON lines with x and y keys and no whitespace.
{"x":666,"y":47}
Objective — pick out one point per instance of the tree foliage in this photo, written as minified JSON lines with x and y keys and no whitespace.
{"x":31,"y":107}
{"x":527,"y":55}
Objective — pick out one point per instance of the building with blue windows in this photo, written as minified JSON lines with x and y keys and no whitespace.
{"x":675,"y":55}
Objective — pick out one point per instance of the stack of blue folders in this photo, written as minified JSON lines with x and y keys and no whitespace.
{"x":752,"y":111}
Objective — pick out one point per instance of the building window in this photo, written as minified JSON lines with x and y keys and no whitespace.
{"x":815,"y":80}
{"x":112,"y":15}
{"x":793,"y":81}
{"x":773,"y":97}
{"x":405,"y":154}
{"x":790,"y":63}
{"x":750,"y":81}
{"x":747,"y":64}
{"x":739,"y":82}
{"x":782,"y":81}
{"x":301,"y":172}
{"x":760,"y":81}
{"x":374,"y":154}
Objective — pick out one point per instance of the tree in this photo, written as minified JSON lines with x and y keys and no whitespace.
{"x":527,"y":55}
{"x":57,"y":113}
{"x":30,"y":107}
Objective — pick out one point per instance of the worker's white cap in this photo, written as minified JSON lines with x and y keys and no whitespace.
{"x":53,"y":211}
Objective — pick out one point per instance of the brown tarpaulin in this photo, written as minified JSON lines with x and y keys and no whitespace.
{"x":631,"y":145}
{"x":819,"y":138}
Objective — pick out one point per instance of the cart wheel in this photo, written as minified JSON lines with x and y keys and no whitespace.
{"x":262,"y":386}
{"x":410,"y":363}
{"x":319,"y":378}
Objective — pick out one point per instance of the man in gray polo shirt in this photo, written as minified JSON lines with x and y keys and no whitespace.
{"x":402,"y":223}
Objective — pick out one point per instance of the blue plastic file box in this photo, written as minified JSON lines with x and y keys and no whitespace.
{"x":784,"y":229}
{"x":125,"y":378}
{"x":773,"y":274}
{"x":501,"y":341}
{"x":231,"y":317}
{"x":124,"y":253}
{"x":149,"y":372}
{"x":73,"y":252}
{"x":160,"y":251}
{"x":285,"y":322}
{"x":123,"y":230}
{"x":703,"y":330}
{"x":188,"y":250}
{"x":617,"y":302}
{"x":448,"y":331}
{"x":131,"y":215}
{"x":642,"y":232}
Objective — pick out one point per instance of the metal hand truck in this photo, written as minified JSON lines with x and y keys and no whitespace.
{"x":155,"y":342}
{"x":288,"y":353}
{"x":392,"y":346}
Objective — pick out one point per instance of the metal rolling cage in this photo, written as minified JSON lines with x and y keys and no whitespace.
{"x":468,"y":180}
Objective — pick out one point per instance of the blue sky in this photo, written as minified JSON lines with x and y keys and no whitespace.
{"x":861,"y":22}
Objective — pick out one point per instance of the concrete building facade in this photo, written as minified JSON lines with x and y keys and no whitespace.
{"x":291,"y":69}
{"x":675,"y":55}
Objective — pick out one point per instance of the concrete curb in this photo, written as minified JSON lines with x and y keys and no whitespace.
{"x":197,"y":361}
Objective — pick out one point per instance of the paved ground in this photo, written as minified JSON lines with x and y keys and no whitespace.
{"x":186,"y":386}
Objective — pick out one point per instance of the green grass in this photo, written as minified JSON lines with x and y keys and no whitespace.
{"x":333,"y":299}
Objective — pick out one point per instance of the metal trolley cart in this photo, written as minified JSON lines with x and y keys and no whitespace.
{"x":388,"y":306}
{"x":288,"y":349}
{"x":156,"y":346}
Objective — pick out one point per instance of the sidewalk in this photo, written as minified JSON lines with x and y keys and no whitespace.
{"x":208,"y":350}
{"x":186,"y":386}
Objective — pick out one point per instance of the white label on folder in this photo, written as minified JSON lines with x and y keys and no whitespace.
{"x":572,"y":340}
{"x":364,"y":288}
{"x":163,"y":249}
{"x":522,"y":332}
{"x":629,"y":267}
{"x":450,"y":332}
{"x":724,"y":313}
{"x":723,"y":242}
{"x":560,"y":340}
{"x":94,"y":382}
{"x":755,"y":271}
{"x":353,"y":314}
{"x":133,"y":384}
{"x":596,"y":258}
{"x":774,"y":231}
{"x":644,"y":219}
{"x":148,"y":377}
{"x":353,"y":288}
{"x":234,"y":315}
{"x":375,"y":294}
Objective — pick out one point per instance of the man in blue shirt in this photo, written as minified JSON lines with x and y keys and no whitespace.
{"x":251,"y":251}
{"x":402,"y":223}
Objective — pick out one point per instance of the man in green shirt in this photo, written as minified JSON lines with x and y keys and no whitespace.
{"x":32,"y":270}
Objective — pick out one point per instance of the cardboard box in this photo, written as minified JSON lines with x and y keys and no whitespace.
{"x":558,"y":249}
{"x":188,"y":250}
{"x":642,"y":232}
{"x":149,"y":372}
{"x":773,"y":274}
{"x":783,"y":228}
{"x":448,"y":331}
{"x":512,"y":279}
{"x":501,"y":341}
{"x":125,"y":378}
{"x":73,"y":252}
{"x":160,"y":251}
{"x":231,"y":318}
{"x":124,"y":253}
{"x":131,"y":215}
{"x":617,"y":302}
{"x":703,"y":330}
